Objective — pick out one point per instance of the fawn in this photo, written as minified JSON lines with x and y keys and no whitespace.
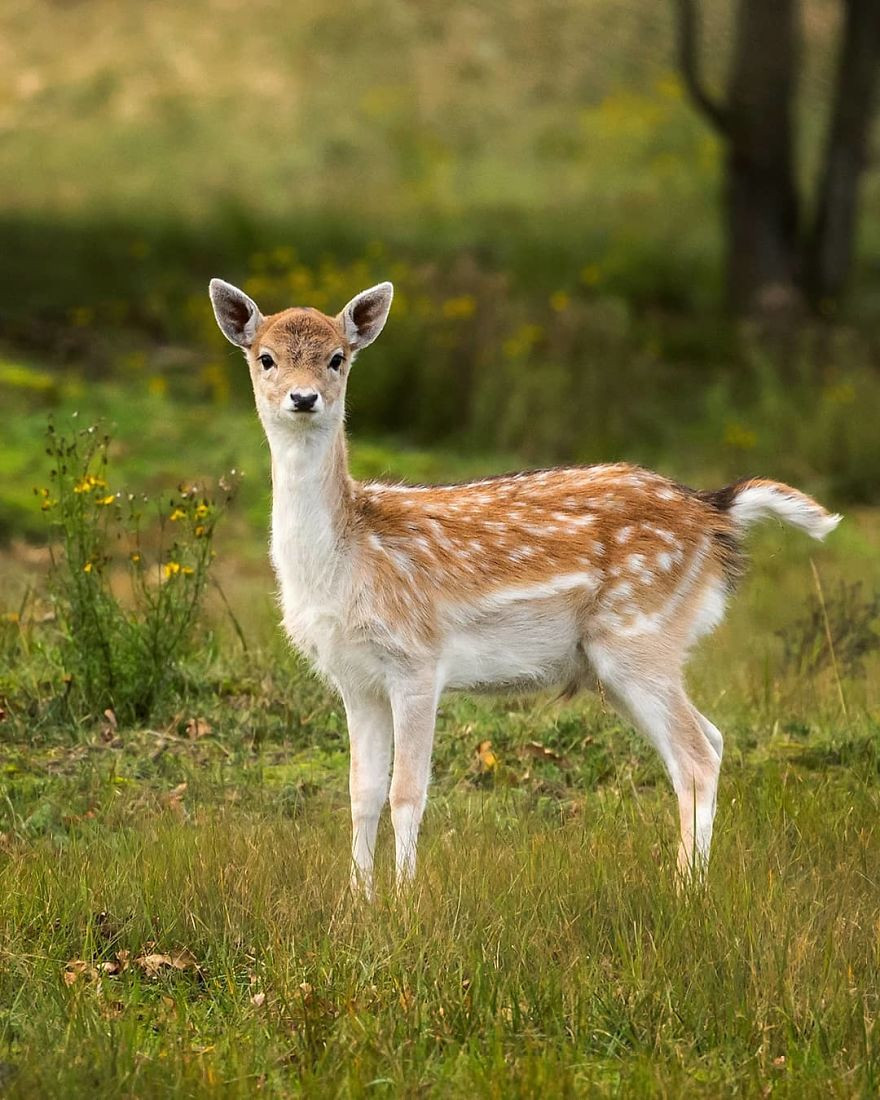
{"x":564,"y":578}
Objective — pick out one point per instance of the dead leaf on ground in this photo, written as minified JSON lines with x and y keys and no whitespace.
{"x":174,"y":797}
{"x":258,"y":1000}
{"x":154,"y":963}
{"x":486,"y":757}
{"x":77,"y":969}
{"x":82,"y":970}
{"x":118,"y":965}
{"x":542,"y":752}
{"x":198,"y":727}
{"x":110,"y":728}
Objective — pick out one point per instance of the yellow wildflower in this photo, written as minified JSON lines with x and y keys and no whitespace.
{"x":135,"y":557}
{"x":187,"y":572}
{"x":202,"y":510}
{"x":200,"y":531}
{"x":177,"y":514}
{"x":171,"y":569}
{"x":560,"y":301}
{"x":87,"y":568}
{"x":107,"y":499}
{"x":590,"y":274}
{"x":463,"y":306}
{"x":88,"y":483}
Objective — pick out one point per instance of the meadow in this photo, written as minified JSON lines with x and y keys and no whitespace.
{"x":176,"y":919}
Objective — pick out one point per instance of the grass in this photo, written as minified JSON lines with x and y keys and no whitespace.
{"x":543,"y":949}
{"x":176,"y":920}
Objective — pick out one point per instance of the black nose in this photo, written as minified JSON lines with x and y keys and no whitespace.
{"x":303,"y":402}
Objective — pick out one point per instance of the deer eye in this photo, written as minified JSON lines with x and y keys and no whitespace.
{"x":337,"y":361}
{"x":266,"y":362}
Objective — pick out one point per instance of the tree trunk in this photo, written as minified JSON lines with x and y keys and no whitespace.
{"x":831,"y":244}
{"x":761,"y":195}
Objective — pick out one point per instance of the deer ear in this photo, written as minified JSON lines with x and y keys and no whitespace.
{"x":237,"y":315}
{"x":365,"y":315}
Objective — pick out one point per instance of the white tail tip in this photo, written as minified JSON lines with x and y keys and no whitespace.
{"x":757,"y":500}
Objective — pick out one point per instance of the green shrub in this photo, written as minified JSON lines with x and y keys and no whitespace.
{"x":123,"y":654}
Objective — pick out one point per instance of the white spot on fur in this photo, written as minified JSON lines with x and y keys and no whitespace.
{"x":660,"y":532}
{"x":402,"y":561}
{"x":522,"y":553}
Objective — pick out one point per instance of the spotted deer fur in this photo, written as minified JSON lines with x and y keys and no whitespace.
{"x":560,"y":578}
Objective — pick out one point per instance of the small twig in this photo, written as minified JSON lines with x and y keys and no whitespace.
{"x":821,"y":595}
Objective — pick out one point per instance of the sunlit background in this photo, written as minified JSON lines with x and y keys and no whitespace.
{"x":533,"y":177}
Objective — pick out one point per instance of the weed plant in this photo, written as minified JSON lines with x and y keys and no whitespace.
{"x":123,"y":654}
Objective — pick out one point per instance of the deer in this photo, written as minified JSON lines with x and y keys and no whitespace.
{"x":599,"y":577}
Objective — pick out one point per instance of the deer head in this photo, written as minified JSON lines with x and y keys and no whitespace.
{"x":299,"y":359}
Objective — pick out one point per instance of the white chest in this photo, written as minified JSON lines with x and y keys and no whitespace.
{"x":315,"y":570}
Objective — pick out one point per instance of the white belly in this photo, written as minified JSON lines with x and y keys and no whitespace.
{"x":524,"y":645}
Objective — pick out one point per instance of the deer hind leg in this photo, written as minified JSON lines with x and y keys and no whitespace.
{"x":414,"y":706}
{"x":689,"y":745}
{"x":370,"y":733}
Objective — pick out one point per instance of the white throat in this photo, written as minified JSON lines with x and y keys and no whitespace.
{"x":308,"y":545}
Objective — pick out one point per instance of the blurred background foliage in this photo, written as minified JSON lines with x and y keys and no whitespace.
{"x":533,"y":177}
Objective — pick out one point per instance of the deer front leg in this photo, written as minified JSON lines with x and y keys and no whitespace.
{"x":414,"y":707}
{"x":369,"y":731}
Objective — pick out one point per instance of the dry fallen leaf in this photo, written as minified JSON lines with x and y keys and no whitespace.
{"x":258,"y":1000}
{"x":174,"y":796}
{"x":536,"y":749}
{"x":487,"y":758}
{"x":198,"y":727}
{"x":110,"y":727}
{"x":154,"y":963}
{"x":76,"y":969}
{"x":117,"y":965}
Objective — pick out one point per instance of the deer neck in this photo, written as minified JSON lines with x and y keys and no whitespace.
{"x":311,"y":507}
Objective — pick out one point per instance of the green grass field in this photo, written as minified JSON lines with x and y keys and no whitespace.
{"x":543,"y":949}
